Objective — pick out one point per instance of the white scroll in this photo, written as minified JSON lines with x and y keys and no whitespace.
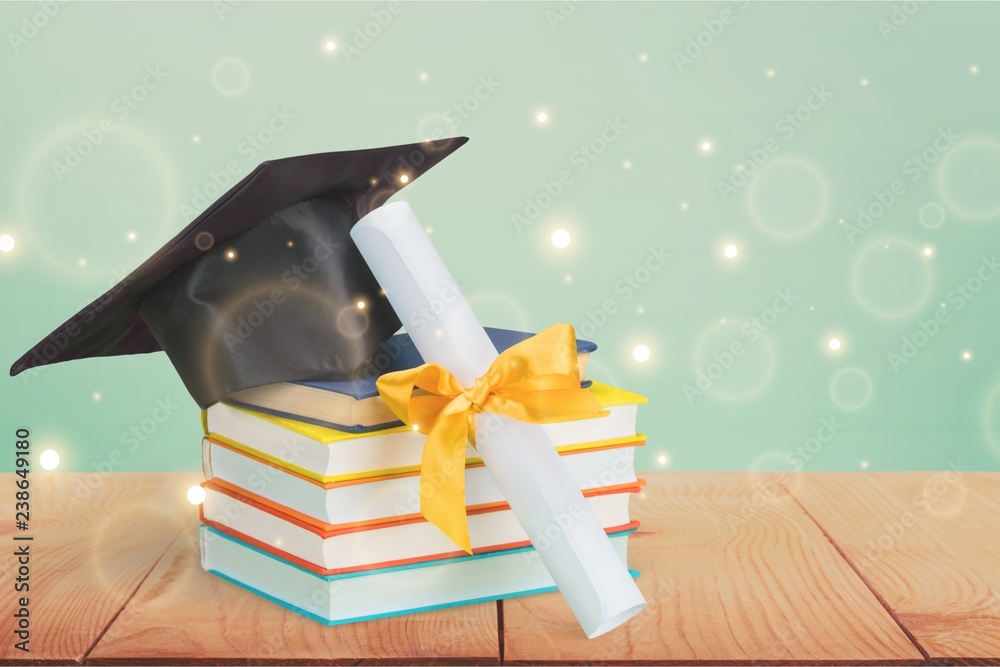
{"x":522,"y":460}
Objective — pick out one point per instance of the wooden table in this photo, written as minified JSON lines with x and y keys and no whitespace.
{"x":835,"y":568}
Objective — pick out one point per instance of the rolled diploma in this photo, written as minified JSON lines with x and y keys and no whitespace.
{"x":520,"y":456}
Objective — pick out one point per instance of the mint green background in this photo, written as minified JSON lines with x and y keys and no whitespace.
{"x":938,"y":410}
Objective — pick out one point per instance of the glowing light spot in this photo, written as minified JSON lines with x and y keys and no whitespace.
{"x":560,"y":238}
{"x":196,"y":139}
{"x":204,"y":240}
{"x":131,"y":236}
{"x":966,"y":355}
{"x":231,"y":255}
{"x":96,"y":396}
{"x":361,"y":305}
{"x":429,"y":230}
{"x":423,"y":76}
{"x":974,"y":69}
{"x":291,"y":244}
{"x":864,"y":83}
{"x":730,"y":251}
{"x":49,"y":459}
{"x":640,"y":353}
{"x":82,"y":261}
{"x":331,"y":45}
{"x":568,"y":278}
{"x":6,"y":243}
{"x":662,"y":459}
{"x":542,"y":117}
{"x":643,"y":57}
{"x":640,"y":310}
{"x":684,"y":206}
{"x":864,"y":464}
{"x":834,"y":344}
{"x":928,"y":251}
{"x":770,"y":73}
{"x":627,"y":164}
{"x":196,"y":495}
{"x":416,"y":427}
{"x":404,"y":179}
{"x":706,"y":146}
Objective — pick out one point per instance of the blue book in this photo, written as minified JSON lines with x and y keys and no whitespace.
{"x":354,"y":405}
{"x":386,"y":591}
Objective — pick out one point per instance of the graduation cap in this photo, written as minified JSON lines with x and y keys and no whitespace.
{"x":264,"y":286}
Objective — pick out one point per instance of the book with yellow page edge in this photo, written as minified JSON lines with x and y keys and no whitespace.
{"x":388,"y":497}
{"x":329,"y":455}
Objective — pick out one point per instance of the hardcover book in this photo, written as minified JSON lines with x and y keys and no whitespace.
{"x":354,"y":405}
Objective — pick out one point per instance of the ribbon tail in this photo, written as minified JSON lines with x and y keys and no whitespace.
{"x":442,"y":478}
{"x":396,"y":389}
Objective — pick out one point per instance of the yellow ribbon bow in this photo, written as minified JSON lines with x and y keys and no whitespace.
{"x":536,"y":380}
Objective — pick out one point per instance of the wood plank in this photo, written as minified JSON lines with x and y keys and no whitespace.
{"x":182,"y":614}
{"x":721,"y":586}
{"x":928,"y":543}
{"x":95,"y":538}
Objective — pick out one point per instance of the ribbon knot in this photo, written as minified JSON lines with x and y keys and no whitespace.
{"x":536,"y":380}
{"x":478,"y":393}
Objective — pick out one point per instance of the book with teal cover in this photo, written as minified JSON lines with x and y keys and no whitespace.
{"x":390,"y":591}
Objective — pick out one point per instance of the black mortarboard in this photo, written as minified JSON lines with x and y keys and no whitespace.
{"x":265,"y":286}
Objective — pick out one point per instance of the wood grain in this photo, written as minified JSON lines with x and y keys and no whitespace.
{"x":182,"y":614}
{"x":95,"y":538}
{"x":928,"y":543}
{"x":734,"y":568}
{"x":733,"y":571}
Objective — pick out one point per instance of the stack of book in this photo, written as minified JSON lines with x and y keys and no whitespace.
{"x":312,"y":498}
